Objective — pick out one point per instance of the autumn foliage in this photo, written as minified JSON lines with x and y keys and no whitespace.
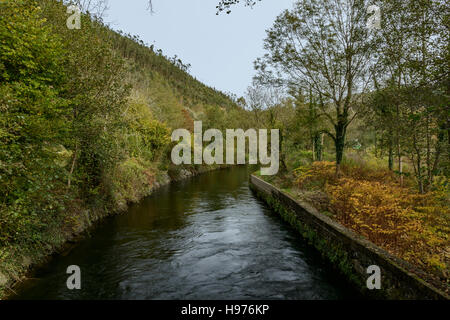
{"x":412,"y":226}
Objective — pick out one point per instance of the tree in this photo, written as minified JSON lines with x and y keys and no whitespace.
{"x":307,"y":116}
{"x":32,"y":114}
{"x":260,"y":98}
{"x":325,"y":47}
{"x":381,"y":113}
{"x":270,"y":109}
{"x":410,"y":98}
{"x":96,"y":8}
{"x":225,"y":5}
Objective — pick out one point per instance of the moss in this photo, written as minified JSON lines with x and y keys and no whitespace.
{"x":331,"y":251}
{"x":408,"y":286}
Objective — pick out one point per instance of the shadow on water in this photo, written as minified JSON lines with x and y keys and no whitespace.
{"x":204,"y":238}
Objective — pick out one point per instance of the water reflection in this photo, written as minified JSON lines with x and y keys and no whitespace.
{"x":204,"y":238}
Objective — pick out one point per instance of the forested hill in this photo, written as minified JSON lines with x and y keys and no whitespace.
{"x":85,"y":123}
{"x":172,"y":69}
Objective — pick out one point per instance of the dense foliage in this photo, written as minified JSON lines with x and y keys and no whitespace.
{"x":85,"y":123}
{"x":371,"y":202}
{"x":365,"y":114}
{"x":364,"y":117}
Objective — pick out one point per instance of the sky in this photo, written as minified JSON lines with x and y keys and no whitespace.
{"x":221,"y":49}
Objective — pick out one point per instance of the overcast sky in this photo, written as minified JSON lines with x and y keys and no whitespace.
{"x":221,"y":49}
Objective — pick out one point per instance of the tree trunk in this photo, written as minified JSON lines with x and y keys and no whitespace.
{"x":391,"y":154}
{"x":376,"y":144}
{"x":318,"y":145}
{"x":72,"y":168}
{"x":399,"y":154}
{"x":400,"y":166}
{"x":322,"y":136}
{"x":283,"y":167}
{"x":339,"y":144}
{"x":418,"y":171}
{"x":429,"y":165}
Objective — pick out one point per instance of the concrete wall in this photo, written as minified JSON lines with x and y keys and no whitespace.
{"x":348,"y":251}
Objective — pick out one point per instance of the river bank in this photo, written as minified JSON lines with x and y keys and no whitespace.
{"x":83,"y":220}
{"x":85,"y":127}
{"x":350,"y":253}
{"x":204,"y":238}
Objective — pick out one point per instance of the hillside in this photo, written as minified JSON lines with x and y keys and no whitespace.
{"x":85,"y":124}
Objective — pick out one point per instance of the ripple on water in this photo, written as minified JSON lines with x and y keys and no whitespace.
{"x":206,"y":238}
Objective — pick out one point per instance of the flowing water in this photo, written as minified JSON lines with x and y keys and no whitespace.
{"x":208,"y":237}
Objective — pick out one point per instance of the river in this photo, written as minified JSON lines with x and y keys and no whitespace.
{"x":208,"y":237}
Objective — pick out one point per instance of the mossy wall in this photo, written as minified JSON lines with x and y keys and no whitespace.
{"x":348,"y":252}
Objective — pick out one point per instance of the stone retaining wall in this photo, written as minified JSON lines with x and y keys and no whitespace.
{"x":349,"y":252}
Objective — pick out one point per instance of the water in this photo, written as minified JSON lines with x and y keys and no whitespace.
{"x":203,"y":238}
